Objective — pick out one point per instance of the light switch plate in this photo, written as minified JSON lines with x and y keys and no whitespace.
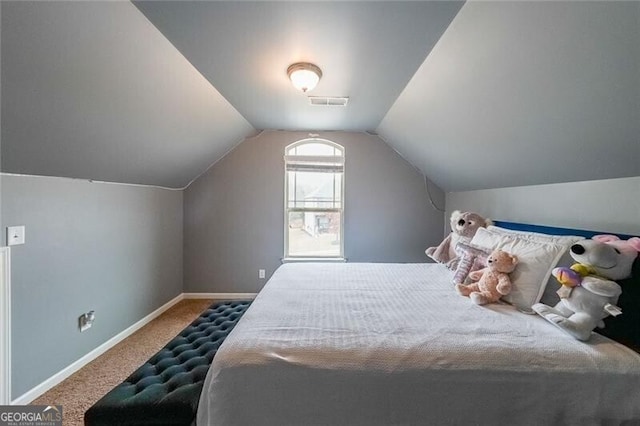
{"x":15,"y":235}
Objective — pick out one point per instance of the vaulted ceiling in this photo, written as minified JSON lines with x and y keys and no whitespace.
{"x":525,"y":93}
{"x":93,"y":90}
{"x":367,"y":51}
{"x":476,"y":95}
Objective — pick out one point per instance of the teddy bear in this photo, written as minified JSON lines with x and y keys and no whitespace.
{"x":492,"y":282}
{"x":588,"y":292}
{"x":463,"y":227}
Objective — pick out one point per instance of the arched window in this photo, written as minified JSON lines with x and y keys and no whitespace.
{"x":314,"y":196}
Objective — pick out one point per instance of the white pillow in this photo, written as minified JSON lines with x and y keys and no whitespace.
{"x":566,"y":240}
{"x":536,"y":259}
{"x":549,"y":296}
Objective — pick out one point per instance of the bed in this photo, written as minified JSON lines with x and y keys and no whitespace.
{"x":393,"y":344}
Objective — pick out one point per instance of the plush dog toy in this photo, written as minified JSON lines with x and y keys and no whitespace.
{"x":463,"y":228}
{"x":588,"y":293}
{"x":494,"y":281}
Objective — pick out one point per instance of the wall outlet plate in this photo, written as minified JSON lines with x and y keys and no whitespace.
{"x":15,"y":235}
{"x":85,"y":321}
{"x":261,"y":273}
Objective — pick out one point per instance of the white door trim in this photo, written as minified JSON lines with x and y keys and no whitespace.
{"x":5,"y":325}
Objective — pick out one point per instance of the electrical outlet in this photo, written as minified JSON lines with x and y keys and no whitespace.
{"x":261,"y":273}
{"x":15,"y":235}
{"x":86,"y":320}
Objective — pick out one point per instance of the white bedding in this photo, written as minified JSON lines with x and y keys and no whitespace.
{"x":393,"y":344}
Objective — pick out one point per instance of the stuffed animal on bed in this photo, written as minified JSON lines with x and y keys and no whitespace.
{"x":493,"y":282}
{"x":463,"y":228}
{"x":588,"y":292}
{"x":471,"y":258}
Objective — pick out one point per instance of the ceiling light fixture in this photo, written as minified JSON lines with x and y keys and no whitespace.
{"x":304,"y":75}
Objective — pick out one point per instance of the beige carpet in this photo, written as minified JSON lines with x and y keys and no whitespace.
{"x":84,"y":388}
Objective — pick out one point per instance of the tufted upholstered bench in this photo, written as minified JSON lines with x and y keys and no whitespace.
{"x":166,"y":389}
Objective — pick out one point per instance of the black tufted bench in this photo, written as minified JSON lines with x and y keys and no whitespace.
{"x":166,"y":389}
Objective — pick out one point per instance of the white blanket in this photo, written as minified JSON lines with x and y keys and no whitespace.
{"x":393,"y":344}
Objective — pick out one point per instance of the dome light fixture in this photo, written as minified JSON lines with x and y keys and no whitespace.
{"x":304,"y":76}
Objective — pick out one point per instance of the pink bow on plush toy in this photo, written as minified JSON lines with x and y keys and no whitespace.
{"x":631,"y":243}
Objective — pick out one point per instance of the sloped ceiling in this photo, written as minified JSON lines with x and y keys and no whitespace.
{"x":367,"y":51}
{"x":93,"y":90}
{"x":489,"y":94}
{"x":523,"y":93}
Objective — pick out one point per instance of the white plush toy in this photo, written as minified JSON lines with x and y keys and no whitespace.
{"x":588,"y":293}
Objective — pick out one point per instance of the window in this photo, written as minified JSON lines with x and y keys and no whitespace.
{"x":314,"y":187}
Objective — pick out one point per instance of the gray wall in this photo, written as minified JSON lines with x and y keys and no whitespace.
{"x":611,"y":205}
{"x":234,"y":220}
{"x":116,"y":249}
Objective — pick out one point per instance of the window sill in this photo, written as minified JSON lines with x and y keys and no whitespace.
{"x":313,"y":259}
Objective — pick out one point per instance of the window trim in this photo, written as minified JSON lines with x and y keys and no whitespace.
{"x":287,"y":157}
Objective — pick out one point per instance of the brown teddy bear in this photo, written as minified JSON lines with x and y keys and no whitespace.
{"x":493,"y":282}
{"x":463,"y":227}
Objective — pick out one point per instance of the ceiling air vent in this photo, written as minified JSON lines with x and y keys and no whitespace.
{"x":328,"y":100}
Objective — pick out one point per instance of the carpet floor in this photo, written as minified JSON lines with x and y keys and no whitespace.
{"x":80,"y":391}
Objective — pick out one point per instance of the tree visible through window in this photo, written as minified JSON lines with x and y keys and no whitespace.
{"x":314,"y":199}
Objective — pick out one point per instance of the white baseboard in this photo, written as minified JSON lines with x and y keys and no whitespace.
{"x":220,"y":296}
{"x":52,"y":381}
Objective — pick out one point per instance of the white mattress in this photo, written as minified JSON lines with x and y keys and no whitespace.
{"x":393,"y":344}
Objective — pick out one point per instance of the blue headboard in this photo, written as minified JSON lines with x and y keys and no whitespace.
{"x":553,"y":230}
{"x":624,"y":328}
